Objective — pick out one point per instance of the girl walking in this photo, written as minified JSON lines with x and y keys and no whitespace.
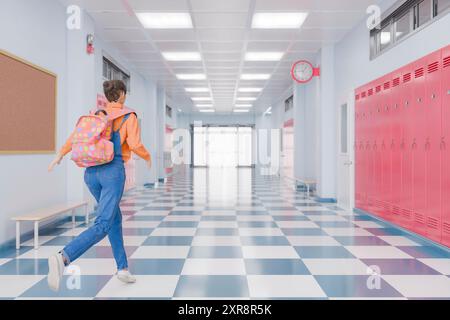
{"x":106,"y":183}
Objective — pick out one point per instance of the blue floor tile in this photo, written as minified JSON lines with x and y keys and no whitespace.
{"x":185,"y":213}
{"x":426,"y":252}
{"x":59,"y":241}
{"x":257,"y":224}
{"x":216,"y":252}
{"x":291,"y":218}
{"x":386,"y":231}
{"x":303,"y":232}
{"x":178,"y":224}
{"x":11,"y":252}
{"x":217,"y":232}
{"x":400,"y":266}
{"x":146,"y":218}
{"x":323,"y":252}
{"x":265,"y":241}
{"x":212,"y":286}
{"x":25,"y":267}
{"x":360,"y":241}
{"x":218,"y":218}
{"x":137,"y":231}
{"x":335,"y":224}
{"x":168,"y":241}
{"x":156,"y":266}
{"x":275,"y":267}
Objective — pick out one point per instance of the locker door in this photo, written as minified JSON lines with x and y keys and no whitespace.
{"x":396,"y":139}
{"x":357,"y":150}
{"x":386,"y":152}
{"x":364,"y":152}
{"x":433,"y":103}
{"x":445,"y":187}
{"x":405,"y":146}
{"x":370,"y":149}
{"x":377,"y":151}
{"x":420,"y":144}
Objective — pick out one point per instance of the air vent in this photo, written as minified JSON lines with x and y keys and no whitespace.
{"x":420,"y":218}
{"x":446,"y":62}
{"x":363,"y":95}
{"x":406,"y":77}
{"x":396,"y":82}
{"x":446,"y":227}
{"x":396,"y":210}
{"x":406,"y":213}
{"x":433,"y":67}
{"x":378,"y":88}
{"x":432,"y":223}
{"x":419,"y":73}
{"x":370,"y":92}
{"x":387,"y":85}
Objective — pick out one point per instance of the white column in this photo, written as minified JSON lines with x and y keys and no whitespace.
{"x":161,"y":127}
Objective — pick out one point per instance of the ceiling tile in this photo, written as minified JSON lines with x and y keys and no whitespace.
{"x":268,"y":46}
{"x":222,"y":46}
{"x":220,"y":20}
{"x":172,"y":35}
{"x":159,"y":5}
{"x":222,"y":34}
{"x":115,"y":20}
{"x":177,"y":46}
{"x":226,"y":56}
{"x":123,"y":35}
{"x":222,"y":6}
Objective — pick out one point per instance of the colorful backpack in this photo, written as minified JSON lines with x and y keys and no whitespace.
{"x":91,"y":141}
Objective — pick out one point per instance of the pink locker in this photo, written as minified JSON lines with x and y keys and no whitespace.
{"x":445,"y":173}
{"x":433,"y":104}
{"x":370,"y":148}
{"x":357,"y":150}
{"x":376,"y":149}
{"x":363,"y":150}
{"x":396,"y":140}
{"x":420,"y":145}
{"x":405,"y":145}
{"x":386,"y":152}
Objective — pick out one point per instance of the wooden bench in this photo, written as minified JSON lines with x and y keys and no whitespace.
{"x":46,"y":214}
{"x":308,"y":184}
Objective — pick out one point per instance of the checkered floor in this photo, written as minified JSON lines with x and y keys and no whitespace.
{"x":231,"y":233}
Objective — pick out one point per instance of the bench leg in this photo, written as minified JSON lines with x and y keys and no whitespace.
{"x":17,"y":235}
{"x":73,"y":219}
{"x":86,"y":211}
{"x":36,"y":235}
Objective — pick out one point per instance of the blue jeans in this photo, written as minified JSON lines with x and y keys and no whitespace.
{"x":106,"y":183}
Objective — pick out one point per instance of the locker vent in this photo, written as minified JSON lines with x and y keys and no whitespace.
{"x":406,"y":77}
{"x":370,"y":92}
{"x":406,"y":213}
{"x":363,"y":95}
{"x":446,"y":227}
{"x":419,"y":73}
{"x":387,"y":85}
{"x":386,"y":207}
{"x":447,"y":62}
{"x":433,"y":67}
{"x":433,"y":223}
{"x":396,"y":210}
{"x":396,"y":82}
{"x":420,"y":218}
{"x":378,"y":88}
{"x":357,"y":97}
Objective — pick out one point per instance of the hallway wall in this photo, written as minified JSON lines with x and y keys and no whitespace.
{"x":52,"y":46}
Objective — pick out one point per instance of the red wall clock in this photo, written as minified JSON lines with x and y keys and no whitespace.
{"x":303,"y":71}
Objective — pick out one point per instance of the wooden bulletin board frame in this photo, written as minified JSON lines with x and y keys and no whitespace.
{"x":55,"y":76}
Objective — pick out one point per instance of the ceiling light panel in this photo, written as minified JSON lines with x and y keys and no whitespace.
{"x":278,"y":20}
{"x":264,"y":56}
{"x":191,"y":76}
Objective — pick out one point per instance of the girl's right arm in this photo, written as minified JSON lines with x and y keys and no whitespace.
{"x":66,"y":148}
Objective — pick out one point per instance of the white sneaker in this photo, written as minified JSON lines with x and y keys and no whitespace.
{"x":125,"y":276}
{"x":55,"y":271}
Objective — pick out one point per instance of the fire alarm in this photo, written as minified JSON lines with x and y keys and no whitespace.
{"x":303,"y":71}
{"x":90,"y":44}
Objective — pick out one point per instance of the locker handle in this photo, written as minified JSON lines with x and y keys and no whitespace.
{"x":442,"y":146}
{"x":433,"y":96}
{"x":419,"y":99}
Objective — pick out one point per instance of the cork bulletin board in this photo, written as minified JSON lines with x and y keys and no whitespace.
{"x":27,"y":107}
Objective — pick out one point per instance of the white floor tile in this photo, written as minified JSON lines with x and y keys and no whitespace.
{"x":145,"y":287}
{"x":167,"y":232}
{"x":219,"y":213}
{"x":254,"y":218}
{"x":218,"y":224}
{"x":260,"y":232}
{"x":347,"y":232}
{"x":335,"y":266}
{"x":13,"y":286}
{"x":148,"y":213}
{"x":161,"y":252}
{"x":327,"y":218}
{"x":297,"y":224}
{"x":182,"y":218}
{"x":140,"y":224}
{"x":216,"y":241}
{"x":214,"y":267}
{"x":42,"y":240}
{"x":420,"y":286}
{"x":377,"y":252}
{"x":313,"y":241}
{"x":284,"y":287}
{"x":440,"y":265}
{"x":96,"y":266}
{"x":269,"y":252}
{"x":73,"y":232}
{"x":41,"y":253}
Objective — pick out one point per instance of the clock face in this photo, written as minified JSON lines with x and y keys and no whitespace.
{"x":302,"y":71}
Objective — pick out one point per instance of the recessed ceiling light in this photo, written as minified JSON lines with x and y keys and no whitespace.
{"x":204,"y":105}
{"x":255,"y":76}
{"x":201,"y":98}
{"x":191,"y":76}
{"x":278,"y":20}
{"x":240,"y":110}
{"x":246,"y":99}
{"x":207,"y":110}
{"x":263,"y":56}
{"x":243,"y":105}
{"x":182,"y":56}
{"x":165,"y":20}
{"x":197,"y":89}
{"x":250,"y":89}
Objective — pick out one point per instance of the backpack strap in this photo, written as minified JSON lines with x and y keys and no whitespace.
{"x":123,"y":121}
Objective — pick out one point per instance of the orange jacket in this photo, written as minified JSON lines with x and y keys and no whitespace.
{"x":130,"y":135}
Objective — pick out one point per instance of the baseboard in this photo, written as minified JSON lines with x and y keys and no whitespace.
{"x":325,"y":200}
{"x":412,"y":233}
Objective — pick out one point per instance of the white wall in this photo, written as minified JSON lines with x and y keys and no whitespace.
{"x":41,"y":37}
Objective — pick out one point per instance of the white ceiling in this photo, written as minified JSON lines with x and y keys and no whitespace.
{"x":222,"y":33}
